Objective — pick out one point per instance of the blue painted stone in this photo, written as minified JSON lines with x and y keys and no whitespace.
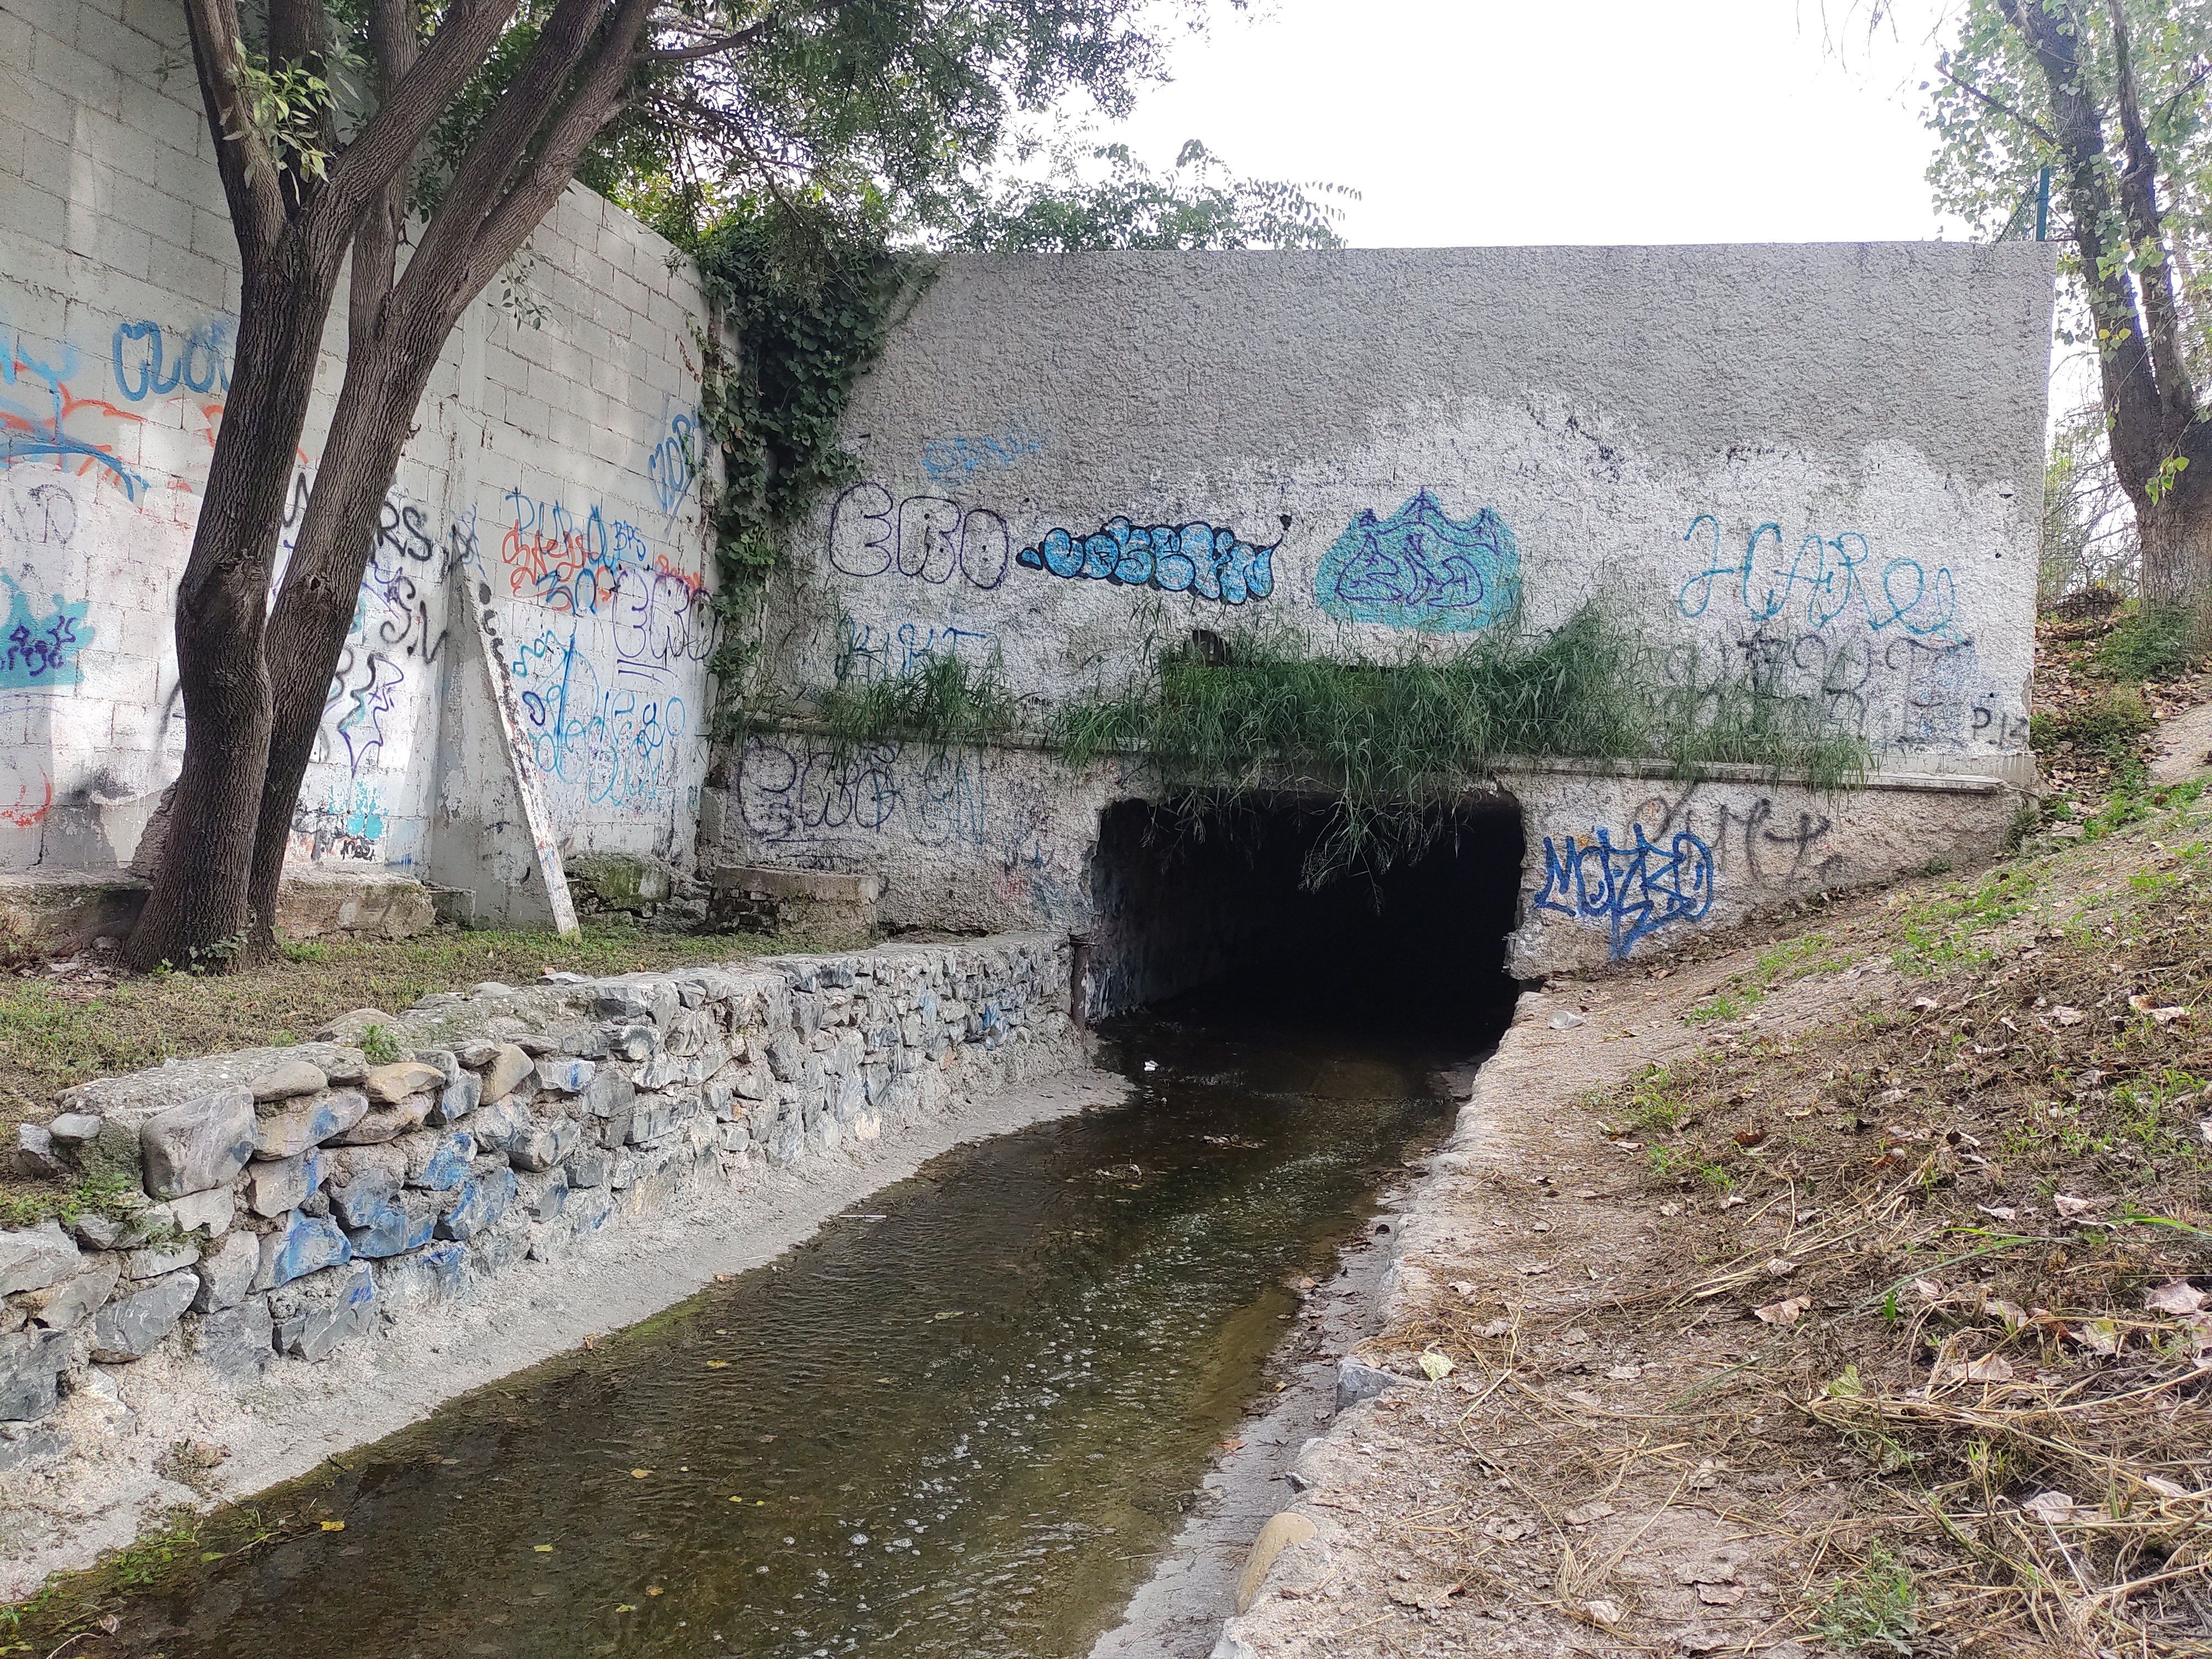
{"x":483,"y":1200}
{"x":391,"y":1230}
{"x":448,"y":1166}
{"x":567,"y":1074}
{"x":457,"y":1099}
{"x":304,"y":1244}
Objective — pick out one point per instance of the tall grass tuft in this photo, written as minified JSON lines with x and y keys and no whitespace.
{"x":942,"y":704}
{"x":1390,"y":742}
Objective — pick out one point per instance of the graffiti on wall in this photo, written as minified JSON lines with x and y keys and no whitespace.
{"x":1911,"y":692}
{"x":791,"y":788}
{"x":1834,"y":578}
{"x":962,"y":456}
{"x":1204,"y":559}
{"x":867,"y":654}
{"x":932,"y":537}
{"x":617,"y":746}
{"x":1420,"y":567}
{"x":1632,"y":891}
{"x":42,"y":419}
{"x":149,"y":361}
{"x":40,"y":646}
{"x":348,"y":824}
{"x":674,"y":463}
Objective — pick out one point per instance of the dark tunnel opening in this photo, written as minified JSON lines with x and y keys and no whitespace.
{"x":1208,"y":913}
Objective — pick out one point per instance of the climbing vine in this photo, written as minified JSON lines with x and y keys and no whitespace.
{"x":809,"y":315}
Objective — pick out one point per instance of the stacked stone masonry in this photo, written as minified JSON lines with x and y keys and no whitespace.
{"x":278,"y":1202}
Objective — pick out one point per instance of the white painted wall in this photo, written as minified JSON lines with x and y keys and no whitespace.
{"x":548,"y":470}
{"x":1822,"y":463}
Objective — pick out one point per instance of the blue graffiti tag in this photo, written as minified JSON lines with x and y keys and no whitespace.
{"x":673,"y":465}
{"x":1420,"y":567}
{"x":1633,"y":890}
{"x":1828,"y":568}
{"x":139,"y":353}
{"x":29,"y":432}
{"x":1192,"y":558}
{"x":958,"y":457}
{"x":41,"y":650}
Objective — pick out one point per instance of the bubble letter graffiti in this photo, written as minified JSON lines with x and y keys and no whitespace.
{"x":1420,"y":567}
{"x":1192,"y":558}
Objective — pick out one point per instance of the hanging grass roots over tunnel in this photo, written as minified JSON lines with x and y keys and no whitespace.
{"x":1393,"y":741}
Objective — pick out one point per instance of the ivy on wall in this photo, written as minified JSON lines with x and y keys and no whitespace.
{"x":808,"y":316}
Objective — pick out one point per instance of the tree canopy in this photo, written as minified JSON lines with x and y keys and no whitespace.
{"x":2110,"y":95}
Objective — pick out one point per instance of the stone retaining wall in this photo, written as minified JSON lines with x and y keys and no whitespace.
{"x":276,"y":1203}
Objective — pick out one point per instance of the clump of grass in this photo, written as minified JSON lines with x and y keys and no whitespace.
{"x":2113,"y":723}
{"x":1872,"y":1609}
{"x":380,"y":1044}
{"x":943,"y":703}
{"x":1390,"y":741}
{"x":2158,"y":642}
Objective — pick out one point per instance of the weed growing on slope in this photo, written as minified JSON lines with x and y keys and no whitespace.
{"x":1989,"y":1201}
{"x":1871,"y":1608}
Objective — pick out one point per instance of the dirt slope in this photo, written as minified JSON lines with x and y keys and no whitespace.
{"x":1848,"y":1291}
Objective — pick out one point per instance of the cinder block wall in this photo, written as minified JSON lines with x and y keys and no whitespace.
{"x":550,"y":470}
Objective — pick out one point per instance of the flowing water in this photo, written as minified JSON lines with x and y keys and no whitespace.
{"x":962,"y":1420}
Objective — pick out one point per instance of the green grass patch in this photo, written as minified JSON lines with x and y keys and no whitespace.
{"x":2157,"y":642}
{"x":943,"y":703}
{"x":1872,"y":1609}
{"x":2113,"y":723}
{"x":1781,"y":964}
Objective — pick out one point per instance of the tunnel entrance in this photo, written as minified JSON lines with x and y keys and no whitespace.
{"x":1215,"y":902}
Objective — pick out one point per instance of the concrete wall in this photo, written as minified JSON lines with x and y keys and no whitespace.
{"x":550,"y":473}
{"x":1820,"y":467}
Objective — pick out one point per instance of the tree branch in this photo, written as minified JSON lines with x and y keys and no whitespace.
{"x":403,"y":120}
{"x":2006,"y":110}
{"x":2154,"y":271}
{"x":249,"y":174}
{"x":502,"y":140}
{"x":394,"y":44}
{"x":592,"y":106}
{"x":711,"y":47}
{"x":2138,"y":440}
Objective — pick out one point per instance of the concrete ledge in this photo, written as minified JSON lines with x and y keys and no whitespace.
{"x":767,"y":898}
{"x":53,"y":913}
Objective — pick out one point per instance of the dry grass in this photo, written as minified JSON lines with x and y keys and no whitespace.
{"x":1937,"y":1272}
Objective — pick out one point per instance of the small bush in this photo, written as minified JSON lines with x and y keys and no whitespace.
{"x":1389,"y":739}
{"x":2156,"y":643}
{"x":379,"y":1045}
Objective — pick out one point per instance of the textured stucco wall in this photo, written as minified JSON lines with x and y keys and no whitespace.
{"x":548,"y":470}
{"x":1866,"y":420}
{"x":1819,"y":466}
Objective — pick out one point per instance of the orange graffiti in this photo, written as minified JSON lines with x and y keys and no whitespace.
{"x":23,"y":815}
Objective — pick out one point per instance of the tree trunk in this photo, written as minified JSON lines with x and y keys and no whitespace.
{"x":197,"y":913}
{"x":384,"y":383}
{"x":2176,"y":532}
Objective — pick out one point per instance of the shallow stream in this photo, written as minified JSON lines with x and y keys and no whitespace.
{"x":962,"y":1420}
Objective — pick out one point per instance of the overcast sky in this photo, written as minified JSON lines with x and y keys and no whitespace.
{"x":1501,"y":121}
